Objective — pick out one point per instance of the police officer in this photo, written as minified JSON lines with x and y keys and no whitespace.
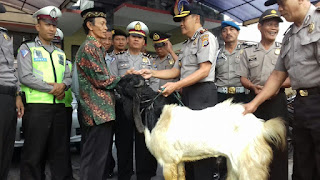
{"x":256,"y":65}
{"x":299,"y":59}
{"x":45,"y":77}
{"x":165,"y":55}
{"x":146,"y":164}
{"x":196,"y":67}
{"x":10,"y":100}
{"x":227,"y":81}
{"x":119,"y":41}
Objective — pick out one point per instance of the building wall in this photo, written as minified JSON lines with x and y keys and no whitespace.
{"x":76,"y":39}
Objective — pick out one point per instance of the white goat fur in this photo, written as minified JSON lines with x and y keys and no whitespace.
{"x":182,"y":135}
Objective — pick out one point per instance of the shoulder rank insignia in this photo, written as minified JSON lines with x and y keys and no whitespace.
{"x":203,"y":30}
{"x":311,"y":27}
{"x":277,"y":51}
{"x":6,"y":36}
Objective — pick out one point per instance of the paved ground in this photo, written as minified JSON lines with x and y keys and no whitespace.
{"x":14,"y":171}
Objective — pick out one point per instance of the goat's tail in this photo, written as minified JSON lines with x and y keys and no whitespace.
{"x":274,"y":132}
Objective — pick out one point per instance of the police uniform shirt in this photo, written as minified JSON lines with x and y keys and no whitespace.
{"x":25,"y":69}
{"x":125,"y":61}
{"x":7,"y":70}
{"x":256,"y":63}
{"x":226,"y":66}
{"x":201,"y":47}
{"x":109,"y":58}
{"x":301,"y":46}
{"x":166,"y":63}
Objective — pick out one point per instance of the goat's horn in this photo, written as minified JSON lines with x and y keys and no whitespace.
{"x":136,"y":114}
{"x":141,"y":83}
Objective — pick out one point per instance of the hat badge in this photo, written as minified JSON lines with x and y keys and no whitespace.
{"x":156,"y":36}
{"x":53,"y":13}
{"x":137,"y":27}
{"x":273,"y":11}
{"x":112,"y":32}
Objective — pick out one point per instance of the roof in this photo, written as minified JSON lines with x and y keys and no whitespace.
{"x":243,"y":11}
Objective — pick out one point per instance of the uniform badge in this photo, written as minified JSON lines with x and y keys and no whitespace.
{"x":311,"y":27}
{"x":38,"y":56}
{"x":241,"y":51}
{"x":61,"y":59}
{"x":180,"y":64}
{"x":252,"y":58}
{"x":145,"y":60}
{"x":171,"y":61}
{"x":6,"y":36}
{"x":137,"y":27}
{"x":277,"y":51}
{"x":194,"y":42}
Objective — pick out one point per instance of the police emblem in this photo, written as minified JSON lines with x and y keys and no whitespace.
{"x":137,"y":27}
{"x":171,"y":61}
{"x":156,"y":36}
{"x":61,"y":59}
{"x":277,"y":51}
{"x":311,"y":27}
{"x":205,"y":40}
{"x":6,"y":36}
{"x":53,"y":13}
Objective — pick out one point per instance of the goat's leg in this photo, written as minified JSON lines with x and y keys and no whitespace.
{"x":181,"y":171}
{"x":170,"y":172}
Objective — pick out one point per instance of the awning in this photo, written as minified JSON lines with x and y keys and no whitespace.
{"x":243,"y":11}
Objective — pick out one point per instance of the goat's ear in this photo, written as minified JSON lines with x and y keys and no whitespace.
{"x":140,"y":84}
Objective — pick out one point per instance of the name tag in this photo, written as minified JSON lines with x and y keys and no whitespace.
{"x":40,"y":59}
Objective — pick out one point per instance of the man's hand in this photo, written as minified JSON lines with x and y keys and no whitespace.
{"x":145,"y":73}
{"x":58,"y":88}
{"x":168,"y":46}
{"x":257,"y":89}
{"x":169,"y":88}
{"x":19,"y":106}
{"x":61,"y":96}
{"x":130,"y":71}
{"x":249,"y":108}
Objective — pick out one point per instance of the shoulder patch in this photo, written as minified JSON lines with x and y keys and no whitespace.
{"x":24,"y":52}
{"x":205,"y":40}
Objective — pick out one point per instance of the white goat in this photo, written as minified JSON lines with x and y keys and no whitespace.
{"x":182,"y":135}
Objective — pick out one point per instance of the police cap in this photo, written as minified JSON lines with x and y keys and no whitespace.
{"x":270,"y":2}
{"x":118,"y":32}
{"x":58,"y":37}
{"x":49,"y":14}
{"x":183,"y":9}
{"x":93,"y":13}
{"x":269,"y":14}
{"x":138,"y":28}
{"x":159,"y":38}
{"x":229,"y":23}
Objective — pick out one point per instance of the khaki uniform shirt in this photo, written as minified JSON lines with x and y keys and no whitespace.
{"x":166,"y":63}
{"x":7,"y":70}
{"x":201,"y":47}
{"x":226,"y":67}
{"x":256,"y":63}
{"x":300,"y":54}
{"x":125,"y":61}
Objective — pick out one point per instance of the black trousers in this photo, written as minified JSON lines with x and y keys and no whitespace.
{"x":306,"y":138}
{"x":275,"y":107}
{"x":146,"y":164}
{"x":95,"y":151}
{"x":8,"y":122}
{"x":46,"y":137}
{"x":200,"y":96}
{"x":237,"y":98}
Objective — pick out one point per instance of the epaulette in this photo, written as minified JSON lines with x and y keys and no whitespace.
{"x":2,"y":29}
{"x":147,"y":55}
{"x":185,"y":41}
{"x":26,"y":41}
{"x":121,"y":52}
{"x":288,"y":30}
{"x":203,"y":31}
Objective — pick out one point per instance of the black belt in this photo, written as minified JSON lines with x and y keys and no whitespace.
{"x":10,"y":90}
{"x":308,"y":91}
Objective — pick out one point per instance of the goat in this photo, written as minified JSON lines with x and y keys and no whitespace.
{"x":182,"y":135}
